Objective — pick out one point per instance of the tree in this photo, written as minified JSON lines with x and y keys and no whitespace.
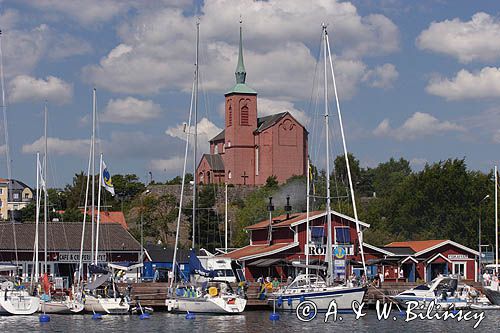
{"x":159,"y":215}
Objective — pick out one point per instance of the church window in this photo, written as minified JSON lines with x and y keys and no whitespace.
{"x":244,"y":113}
{"x":229,"y":116}
{"x":257,"y":160}
{"x":229,"y":175}
{"x":216,"y":149}
{"x":229,"y":144}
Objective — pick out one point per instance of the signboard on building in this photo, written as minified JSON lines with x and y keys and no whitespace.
{"x":339,"y":268}
{"x":339,"y":251}
{"x":457,"y":256}
{"x":74,"y":257}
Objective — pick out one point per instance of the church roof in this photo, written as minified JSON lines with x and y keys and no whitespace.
{"x":264,"y":123}
{"x":219,"y":136}
{"x":215,"y":161}
{"x":241,"y":88}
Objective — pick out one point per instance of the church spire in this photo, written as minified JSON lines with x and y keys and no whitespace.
{"x":240,"y":68}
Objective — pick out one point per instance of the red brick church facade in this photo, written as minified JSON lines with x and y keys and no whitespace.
{"x":252,"y":148}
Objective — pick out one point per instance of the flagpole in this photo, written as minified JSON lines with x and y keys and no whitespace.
{"x":98,"y":210}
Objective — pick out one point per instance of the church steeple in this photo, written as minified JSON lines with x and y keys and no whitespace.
{"x":240,"y":73}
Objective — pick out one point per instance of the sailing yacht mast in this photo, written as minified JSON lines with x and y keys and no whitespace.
{"x":195,"y":131}
{"x":308,"y":236}
{"x":45,"y":193}
{"x":92,"y":147}
{"x":179,"y":215}
{"x":496,"y":220}
{"x":37,"y":216}
{"x":328,"y":255}
{"x":353,"y":198}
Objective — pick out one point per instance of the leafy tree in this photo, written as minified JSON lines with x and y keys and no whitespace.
{"x":159,"y":215}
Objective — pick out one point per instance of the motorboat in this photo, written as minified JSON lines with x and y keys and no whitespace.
{"x":215,"y":298}
{"x":443,"y":291}
{"x":314,"y":288}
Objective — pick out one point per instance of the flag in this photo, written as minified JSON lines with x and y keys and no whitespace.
{"x":106,"y":180}
{"x":42,"y":181}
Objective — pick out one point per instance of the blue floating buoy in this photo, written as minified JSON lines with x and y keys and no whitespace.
{"x":96,"y":316}
{"x":302,"y":299}
{"x":289,"y":301}
{"x":280,"y":301}
{"x":274,"y":316}
{"x":44,"y":318}
{"x":190,"y":316}
{"x":144,"y":316}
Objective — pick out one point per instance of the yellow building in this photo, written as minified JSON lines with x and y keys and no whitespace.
{"x":19,"y":197}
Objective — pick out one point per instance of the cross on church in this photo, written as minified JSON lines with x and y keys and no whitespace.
{"x":244,"y":177}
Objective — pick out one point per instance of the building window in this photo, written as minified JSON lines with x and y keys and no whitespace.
{"x":229,"y":116}
{"x":459,"y":269}
{"x":318,"y":235}
{"x":229,"y":175}
{"x":223,"y":147}
{"x":229,"y":144}
{"x":244,"y":115}
{"x":1,"y":190}
{"x":342,"y":235}
{"x":16,"y":196}
{"x":257,"y":160}
{"x":26,"y":195}
{"x":1,"y":204}
{"x":16,"y":207}
{"x":216,"y":150}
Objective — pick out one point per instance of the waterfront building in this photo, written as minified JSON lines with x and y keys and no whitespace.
{"x":251,"y":148}
{"x":160,"y":257}
{"x":278,"y":249}
{"x":116,"y":245}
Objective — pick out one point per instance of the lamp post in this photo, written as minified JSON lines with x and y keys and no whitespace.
{"x":479,"y":240}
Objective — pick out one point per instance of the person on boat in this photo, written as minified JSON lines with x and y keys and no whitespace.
{"x":156,"y":275}
{"x":276,"y":284}
{"x":487,"y":278}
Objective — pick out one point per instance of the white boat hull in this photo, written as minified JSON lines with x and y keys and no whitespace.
{"x":106,"y":305}
{"x":61,"y":307}
{"x":13,"y":302}
{"x":343,"y":297}
{"x":211,"y":305}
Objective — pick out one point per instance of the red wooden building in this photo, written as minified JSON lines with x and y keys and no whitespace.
{"x":279,"y":250}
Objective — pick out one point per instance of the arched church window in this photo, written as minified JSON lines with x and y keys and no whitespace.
{"x":244,"y":113}
{"x":229,"y":115}
{"x":229,"y":175}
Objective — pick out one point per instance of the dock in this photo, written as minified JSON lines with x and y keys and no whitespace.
{"x":153,"y":294}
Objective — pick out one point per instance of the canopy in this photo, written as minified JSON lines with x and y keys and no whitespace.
{"x":7,"y":268}
{"x":197,"y":268}
{"x":125,"y":266}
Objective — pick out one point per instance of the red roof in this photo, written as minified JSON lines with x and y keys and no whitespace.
{"x":111,"y":217}
{"x":417,"y":246}
{"x":255,"y":251}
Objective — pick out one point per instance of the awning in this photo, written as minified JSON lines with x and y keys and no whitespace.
{"x":264,"y":262}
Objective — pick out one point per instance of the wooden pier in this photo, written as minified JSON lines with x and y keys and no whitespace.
{"x":153,"y":294}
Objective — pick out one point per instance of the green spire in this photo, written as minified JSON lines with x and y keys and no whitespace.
{"x":240,"y":69}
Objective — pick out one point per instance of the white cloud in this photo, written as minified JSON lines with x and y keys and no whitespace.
{"x":153,"y":54}
{"x":58,"y":146}
{"x":65,"y":46}
{"x":24,"y":88}
{"x":474,"y":40}
{"x":381,"y":76}
{"x":130,"y":110}
{"x":467,"y":85}
{"x":267,"y":107}
{"x":171,"y":165}
{"x":206,"y":131}
{"x":417,"y":126}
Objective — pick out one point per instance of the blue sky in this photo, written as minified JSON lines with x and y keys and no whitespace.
{"x":418,"y":80}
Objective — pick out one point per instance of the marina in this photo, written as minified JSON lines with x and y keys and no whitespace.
{"x":248,"y":175}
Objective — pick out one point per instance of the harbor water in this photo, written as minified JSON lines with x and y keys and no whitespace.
{"x":252,"y":321}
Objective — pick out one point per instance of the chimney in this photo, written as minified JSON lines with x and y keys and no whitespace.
{"x":288,"y":208}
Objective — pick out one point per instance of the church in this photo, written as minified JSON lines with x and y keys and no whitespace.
{"x":250,"y":148}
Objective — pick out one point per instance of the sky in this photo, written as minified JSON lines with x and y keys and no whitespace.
{"x":416,"y":79}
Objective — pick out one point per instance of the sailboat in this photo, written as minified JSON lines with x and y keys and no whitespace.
{"x":214,"y":297}
{"x":492,"y":288}
{"x":98,"y":297}
{"x":313,"y":287}
{"x":14,"y":299}
{"x":61,"y":304}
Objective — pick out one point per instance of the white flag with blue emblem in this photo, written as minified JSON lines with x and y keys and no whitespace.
{"x":106,"y":179}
